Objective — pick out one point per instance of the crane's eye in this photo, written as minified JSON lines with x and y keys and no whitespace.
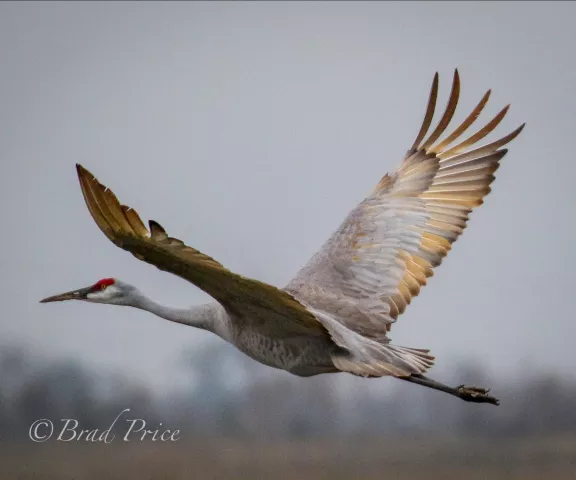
{"x":103,"y":287}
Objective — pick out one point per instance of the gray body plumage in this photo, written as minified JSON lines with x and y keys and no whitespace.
{"x":302,"y":355}
{"x":298,"y":353}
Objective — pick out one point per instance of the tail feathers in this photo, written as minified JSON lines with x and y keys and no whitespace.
{"x":382,"y":360}
{"x":366,"y":357}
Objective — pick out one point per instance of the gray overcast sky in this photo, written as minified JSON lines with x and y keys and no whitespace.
{"x":249,"y":130}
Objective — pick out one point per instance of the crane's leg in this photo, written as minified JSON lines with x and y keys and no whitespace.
{"x":468,"y":394}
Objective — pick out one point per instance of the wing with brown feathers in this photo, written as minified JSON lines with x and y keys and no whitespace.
{"x":380,"y":257}
{"x":241,"y":296}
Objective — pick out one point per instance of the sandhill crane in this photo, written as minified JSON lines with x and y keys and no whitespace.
{"x":336,"y":314}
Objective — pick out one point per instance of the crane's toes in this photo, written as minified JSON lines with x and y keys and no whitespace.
{"x":477,"y":395}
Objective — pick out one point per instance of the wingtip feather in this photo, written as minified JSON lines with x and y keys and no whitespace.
{"x":157,"y":232}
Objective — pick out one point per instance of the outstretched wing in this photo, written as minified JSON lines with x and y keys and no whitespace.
{"x":241,"y":296}
{"x":380,"y":257}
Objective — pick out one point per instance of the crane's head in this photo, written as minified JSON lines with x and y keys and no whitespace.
{"x":107,"y":290}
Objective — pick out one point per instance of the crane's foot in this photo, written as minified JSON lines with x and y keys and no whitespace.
{"x":475,"y":394}
{"x":468,"y":394}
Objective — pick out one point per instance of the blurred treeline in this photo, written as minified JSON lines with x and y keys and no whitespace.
{"x":229,"y":395}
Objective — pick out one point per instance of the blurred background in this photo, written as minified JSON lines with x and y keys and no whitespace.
{"x":249,"y":130}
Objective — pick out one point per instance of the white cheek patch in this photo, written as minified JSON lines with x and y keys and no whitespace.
{"x":105,"y":295}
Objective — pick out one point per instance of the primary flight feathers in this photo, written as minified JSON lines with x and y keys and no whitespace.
{"x":386,"y":248}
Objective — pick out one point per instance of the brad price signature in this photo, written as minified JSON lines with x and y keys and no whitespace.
{"x":43,"y":430}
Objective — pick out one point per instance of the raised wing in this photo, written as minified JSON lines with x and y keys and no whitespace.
{"x":377,"y":261}
{"x":241,"y":296}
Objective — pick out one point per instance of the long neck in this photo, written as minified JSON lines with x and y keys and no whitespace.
{"x":210,"y":317}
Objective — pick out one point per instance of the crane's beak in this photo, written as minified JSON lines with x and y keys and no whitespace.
{"x":73,"y":295}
